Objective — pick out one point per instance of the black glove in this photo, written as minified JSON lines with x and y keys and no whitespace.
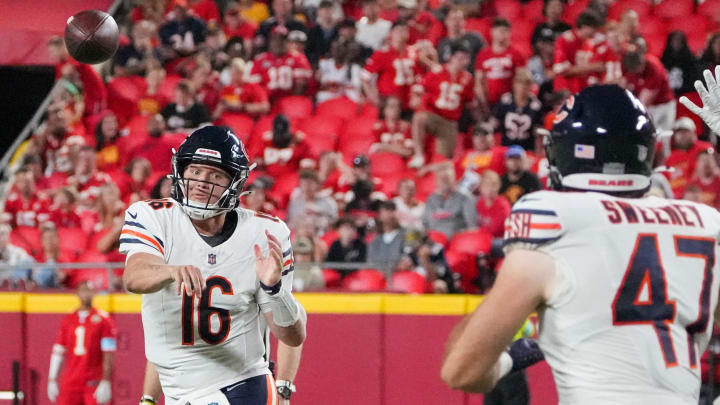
{"x":524,"y":353}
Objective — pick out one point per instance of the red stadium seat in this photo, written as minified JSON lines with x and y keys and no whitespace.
{"x":509,"y":9}
{"x":175,"y":139}
{"x":341,"y":107}
{"x":464,"y":265}
{"x":356,"y":138}
{"x":532,"y":11}
{"x":321,"y":126}
{"x":385,"y":164}
{"x":295,"y":107}
{"x":73,"y":241}
{"x":697,"y":42}
{"x":28,"y":238}
{"x":652,"y":26}
{"x":332,"y":278}
{"x":655,"y":43}
{"x":330,"y":236}
{"x":366,"y":280}
{"x":670,"y":9}
{"x":167,"y":88}
{"x":642,"y":8}
{"x":127,"y":87}
{"x":99,"y":277}
{"x":573,"y":10}
{"x":480,"y":26}
{"x":438,"y":237}
{"x":409,"y":282}
{"x":691,"y":25}
{"x":471,"y":242}
{"x":242,"y":124}
{"x":710,"y":9}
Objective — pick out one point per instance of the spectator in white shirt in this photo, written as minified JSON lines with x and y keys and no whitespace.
{"x":12,"y":255}
{"x":371,"y":29}
{"x":409,"y":208}
{"x":338,"y":75}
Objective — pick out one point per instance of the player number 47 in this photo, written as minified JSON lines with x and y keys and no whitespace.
{"x":645,"y":272}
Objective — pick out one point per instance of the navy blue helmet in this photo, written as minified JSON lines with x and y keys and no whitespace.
{"x":213,"y":146}
{"x":602,"y":140}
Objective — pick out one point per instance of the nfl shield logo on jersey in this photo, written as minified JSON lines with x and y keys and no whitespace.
{"x":212,"y":258}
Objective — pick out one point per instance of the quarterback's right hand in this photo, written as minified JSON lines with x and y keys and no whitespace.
{"x":190,"y":277}
{"x":710,"y":96}
{"x":52,"y":390}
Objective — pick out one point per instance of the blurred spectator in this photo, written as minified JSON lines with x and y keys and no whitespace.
{"x":307,"y":277}
{"x":392,"y":133}
{"x":359,"y":199}
{"x":682,"y":66}
{"x":206,"y":10}
{"x":427,"y":258}
{"x":280,"y":72}
{"x":628,"y":29}
{"x":34,"y":162}
{"x":62,"y":212}
{"x":307,"y":229}
{"x":238,"y":25}
{"x":707,"y":178}
{"x":409,"y":208}
{"x":692,"y":193}
{"x":69,"y":99}
{"x":387,"y":245}
{"x":447,"y":210}
{"x":257,"y":200}
{"x":338,"y":75}
{"x":282,"y":16}
{"x":517,"y":180}
{"x":322,"y":34}
{"x":445,"y":92}
{"x":457,"y":35}
{"x":240,"y":96}
{"x":483,"y":155}
{"x":541,"y":63}
{"x":371,"y":29}
{"x":306,"y":202}
{"x":155,"y":149}
{"x":685,"y":148}
{"x":182,"y":33}
{"x":518,"y":114}
{"x":573,"y":54}
{"x":495,"y":65}
{"x":648,"y":80}
{"x":152,"y":10}
{"x":553,"y":12}
{"x":49,"y":277}
{"x":134,"y":186}
{"x":24,"y":206}
{"x":153,"y":101}
{"x":711,"y":55}
{"x":132,"y":59}
{"x":282,"y":152}
{"x":492,"y":208}
{"x":109,"y":144}
{"x":297,"y":42}
{"x":347,"y":33}
{"x":93,"y":87}
{"x":344,"y":186}
{"x":348,"y":248}
{"x":204,"y":81}
{"x":86,"y":179}
{"x":110,"y":212}
{"x":392,"y":70}
{"x":162,"y":188}
{"x":185,"y":114}
{"x":12,"y":255}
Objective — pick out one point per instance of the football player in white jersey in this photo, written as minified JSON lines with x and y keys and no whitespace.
{"x":625,"y":287}
{"x":209,"y":271}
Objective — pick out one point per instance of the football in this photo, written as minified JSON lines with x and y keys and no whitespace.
{"x":91,"y":36}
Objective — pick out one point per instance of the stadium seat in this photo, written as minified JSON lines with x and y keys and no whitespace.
{"x":73,"y":241}
{"x":642,"y":8}
{"x":365,"y":280}
{"x":573,"y":10}
{"x":386,"y":164}
{"x":127,"y":87}
{"x":295,"y":107}
{"x":175,"y":138}
{"x":655,"y":43}
{"x":97,"y":276}
{"x":471,"y":242}
{"x":691,"y":25}
{"x":464,"y":265}
{"x":28,"y":238}
{"x":479,"y":25}
{"x":652,"y":26}
{"x":356,"y":137}
{"x":510,"y":9}
{"x":710,"y":9}
{"x":697,"y":42}
{"x":330,"y":236}
{"x":332,"y":278}
{"x":167,"y":88}
{"x":408,"y":282}
{"x":670,"y":9}
{"x":341,"y":107}
{"x":322,"y":132}
{"x":424,"y":186}
{"x":532,"y":11}
{"x":438,"y":237}
{"x":242,"y":124}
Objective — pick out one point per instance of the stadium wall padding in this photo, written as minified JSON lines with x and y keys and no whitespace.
{"x":364,"y":349}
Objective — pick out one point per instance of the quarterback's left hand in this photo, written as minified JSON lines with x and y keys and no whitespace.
{"x":269,"y":268}
{"x":710,"y":96}
{"x":103,"y":393}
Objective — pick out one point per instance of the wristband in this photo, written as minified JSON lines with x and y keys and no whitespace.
{"x":271,"y":290}
{"x":147,"y":400}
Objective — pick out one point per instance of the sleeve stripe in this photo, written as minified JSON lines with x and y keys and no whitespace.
{"x":529,"y":240}
{"x":536,"y":212}
{"x":289,"y":269}
{"x":287,"y":252}
{"x":138,"y":241}
{"x":140,"y":226}
{"x":136,"y":224}
{"x":287,"y":262}
{"x":143,"y":236}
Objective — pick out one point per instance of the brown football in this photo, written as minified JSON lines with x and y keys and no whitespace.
{"x":91,"y":36}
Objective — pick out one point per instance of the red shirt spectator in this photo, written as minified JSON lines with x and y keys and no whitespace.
{"x":602,"y":52}
{"x":647,"y":79}
{"x":483,"y":155}
{"x":156,"y":149}
{"x":492,"y":214}
{"x":85,"y":335}
{"x":153,"y":101}
{"x":206,"y":10}
{"x":283,"y":152}
{"x":683,"y":162}
{"x":24,"y":207}
{"x":86,"y":179}
{"x":94,"y":91}
{"x":445,"y":94}
{"x":395,"y":67}
{"x":62,"y":211}
{"x":707,"y":179}
{"x":574,"y":53}
{"x":280,"y":71}
{"x":495,"y":65}
{"x":392,"y":134}
{"x":235,"y":25}
{"x":134,"y":185}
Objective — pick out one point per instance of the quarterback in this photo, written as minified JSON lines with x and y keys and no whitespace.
{"x":625,"y":287}
{"x":209,"y":273}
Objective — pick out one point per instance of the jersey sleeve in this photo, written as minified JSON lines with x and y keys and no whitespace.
{"x":108,"y":335}
{"x":374,"y":65}
{"x":302,"y":68}
{"x":282,"y":232}
{"x":534,"y":222}
{"x":61,"y":337}
{"x":142,"y":231}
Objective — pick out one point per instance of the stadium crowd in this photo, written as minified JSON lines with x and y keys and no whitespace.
{"x":394,"y":132}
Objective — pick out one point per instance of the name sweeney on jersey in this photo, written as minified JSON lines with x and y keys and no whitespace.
{"x":623,"y":212}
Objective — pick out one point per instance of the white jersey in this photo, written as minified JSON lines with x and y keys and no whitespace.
{"x":636,"y":287}
{"x":203,"y":344}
